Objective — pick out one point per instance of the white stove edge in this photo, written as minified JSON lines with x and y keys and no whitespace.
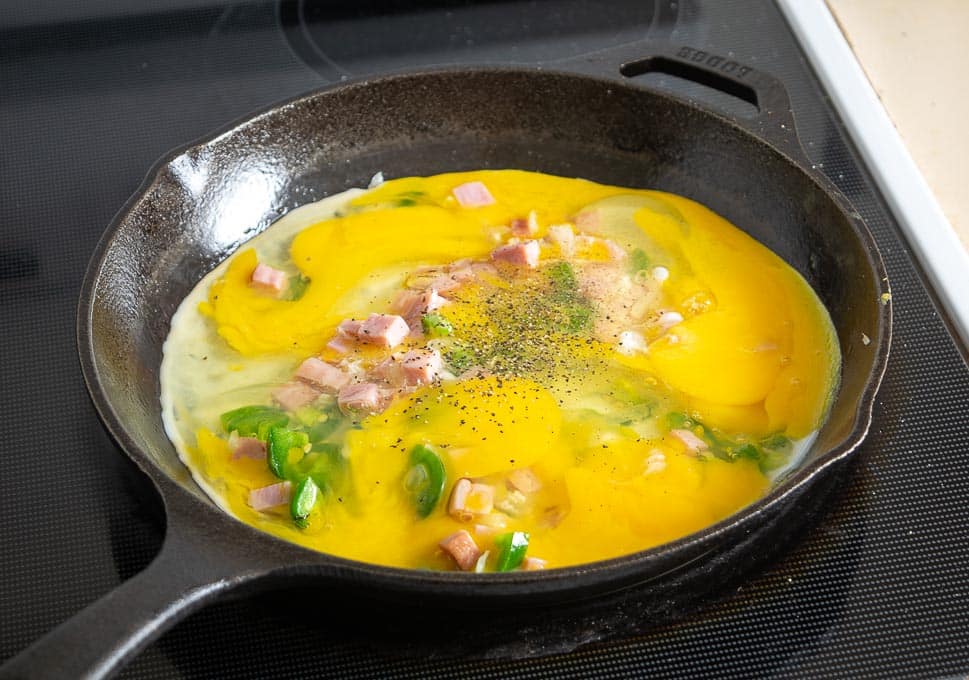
{"x":938,"y":248}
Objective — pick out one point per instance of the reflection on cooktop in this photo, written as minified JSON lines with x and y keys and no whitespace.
{"x":340,"y":39}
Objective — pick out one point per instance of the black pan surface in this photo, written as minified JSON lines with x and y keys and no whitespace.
{"x":587,"y":118}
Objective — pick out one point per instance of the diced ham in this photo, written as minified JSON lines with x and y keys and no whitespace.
{"x":616,"y":252}
{"x":384,"y":330}
{"x":421,"y":366}
{"x":524,"y":480}
{"x":533,"y":564}
{"x":294,"y":395}
{"x":522,"y":227}
{"x":562,"y":236}
{"x":690,"y":440}
{"x":349,"y":328}
{"x":459,"y":495}
{"x":462,"y":549}
{"x":268,"y":278}
{"x":247,"y":447}
{"x":389,"y":371}
{"x":267,"y":497}
{"x":454,"y":278}
{"x":444,"y":279}
{"x":413,"y":304}
{"x":346,"y":336}
{"x":469,"y":499}
{"x":360,"y":397}
{"x":481,"y":499}
{"x":524,"y":254}
{"x":340,"y":344}
{"x":322,"y":375}
{"x":473,"y":195}
{"x":432,"y":301}
{"x":587,"y":220}
{"x":407,"y":304}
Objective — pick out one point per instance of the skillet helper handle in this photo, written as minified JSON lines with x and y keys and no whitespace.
{"x":99,"y":640}
{"x":774,"y":120}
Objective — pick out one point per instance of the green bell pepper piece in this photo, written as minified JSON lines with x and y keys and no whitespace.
{"x":436,"y":325}
{"x":249,"y":421}
{"x":303,"y":501}
{"x":511,"y":550}
{"x":638,"y":260}
{"x":279,"y":442}
{"x":425,"y":479}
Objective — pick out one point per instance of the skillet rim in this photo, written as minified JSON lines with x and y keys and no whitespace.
{"x":620,"y":570}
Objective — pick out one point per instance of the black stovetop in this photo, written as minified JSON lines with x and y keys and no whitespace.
{"x":91,"y":94}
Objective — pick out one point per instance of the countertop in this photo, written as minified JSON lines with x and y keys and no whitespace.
{"x":916,"y":57}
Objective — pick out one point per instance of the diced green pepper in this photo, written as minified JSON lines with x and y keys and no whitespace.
{"x":511,"y":550}
{"x":562,"y":277}
{"x":425,"y":479}
{"x":297,"y":287}
{"x":323,"y":423}
{"x":303,"y":501}
{"x":323,"y":428}
{"x":776,"y":441}
{"x":279,"y":443}
{"x":678,"y":421}
{"x":436,"y":325}
{"x":638,"y":260}
{"x":307,"y":415}
{"x":459,"y":359}
{"x":250,"y":421}
{"x":324,"y":463}
{"x":748,"y":451}
{"x":580,"y":318}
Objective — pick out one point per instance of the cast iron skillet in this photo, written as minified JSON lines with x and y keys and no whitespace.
{"x":587,"y":118}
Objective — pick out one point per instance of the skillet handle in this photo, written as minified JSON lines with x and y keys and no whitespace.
{"x":774,"y":120}
{"x":99,"y":640}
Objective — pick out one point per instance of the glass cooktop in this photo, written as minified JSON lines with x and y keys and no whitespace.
{"x":92,"y":94}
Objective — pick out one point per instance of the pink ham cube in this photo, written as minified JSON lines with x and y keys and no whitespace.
{"x":271,"y":496}
{"x":268,"y":279}
{"x":616,"y":251}
{"x":247,"y":447}
{"x":524,"y":254}
{"x":322,"y":375}
{"x":692,"y":443}
{"x":522,"y":227}
{"x":294,"y":395}
{"x":413,"y":304}
{"x":462,"y":549}
{"x":562,"y":236}
{"x":473,"y":195}
{"x":360,"y":398}
{"x":421,"y":366}
{"x":383,"y":330}
{"x":524,"y":480}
